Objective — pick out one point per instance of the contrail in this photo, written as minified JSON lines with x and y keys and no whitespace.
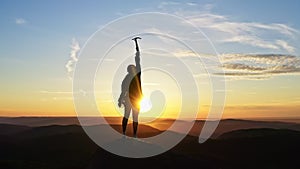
{"x":73,"y":58}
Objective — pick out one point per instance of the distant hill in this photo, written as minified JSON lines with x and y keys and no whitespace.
{"x":9,"y":129}
{"x":225,"y":125}
{"x":46,"y":121}
{"x":67,"y":146}
{"x":247,"y":149}
{"x":228,"y":125}
{"x":259,"y":133}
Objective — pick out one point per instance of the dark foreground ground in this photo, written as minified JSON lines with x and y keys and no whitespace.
{"x":68,"y":147}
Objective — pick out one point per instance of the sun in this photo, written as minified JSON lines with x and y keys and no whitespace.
{"x":145,"y":104}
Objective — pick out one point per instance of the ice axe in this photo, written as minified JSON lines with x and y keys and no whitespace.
{"x":136,"y":44}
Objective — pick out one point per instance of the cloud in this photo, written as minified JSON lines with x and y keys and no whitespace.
{"x":73,"y":58}
{"x":248,"y":33}
{"x":62,"y":98}
{"x":283,"y":44}
{"x":167,"y":4}
{"x":191,"y":3}
{"x":242,"y":66}
{"x":55,"y":92}
{"x":56,"y":95}
{"x":225,"y":29}
{"x":251,"y":40}
{"x":184,"y":53}
{"x":258,"y":66}
{"x":20,"y":21}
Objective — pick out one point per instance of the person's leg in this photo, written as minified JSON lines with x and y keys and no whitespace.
{"x":124,"y":125}
{"x":135,"y":114}
{"x":127,"y":110}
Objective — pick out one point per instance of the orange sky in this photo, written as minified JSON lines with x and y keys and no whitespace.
{"x":244,"y":99}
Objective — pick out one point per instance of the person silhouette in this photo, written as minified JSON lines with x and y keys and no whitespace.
{"x":131,"y":93}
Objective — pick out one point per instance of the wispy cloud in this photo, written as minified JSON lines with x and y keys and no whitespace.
{"x":73,"y":58}
{"x":223,"y":29}
{"x":184,"y":53}
{"x":248,"y":33}
{"x":56,"y":95}
{"x":62,"y":98}
{"x":20,"y":21}
{"x":283,"y":44}
{"x":167,"y":4}
{"x":259,"y":66}
{"x":55,"y":92}
{"x":191,"y":3}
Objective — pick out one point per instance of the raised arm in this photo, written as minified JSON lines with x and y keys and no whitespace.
{"x":137,"y":55}
{"x":138,"y":61}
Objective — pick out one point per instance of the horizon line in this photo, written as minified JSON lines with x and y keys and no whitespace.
{"x":52,"y":116}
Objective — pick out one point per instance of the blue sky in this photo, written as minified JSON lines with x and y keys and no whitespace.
{"x":36,"y":37}
{"x":55,"y":23}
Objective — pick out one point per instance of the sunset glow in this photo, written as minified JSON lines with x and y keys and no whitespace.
{"x":258,"y":51}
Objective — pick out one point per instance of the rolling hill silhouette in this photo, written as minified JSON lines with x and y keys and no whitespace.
{"x":58,"y":147}
{"x":259,"y":133}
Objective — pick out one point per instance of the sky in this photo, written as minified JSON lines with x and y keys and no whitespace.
{"x":257,"y":43}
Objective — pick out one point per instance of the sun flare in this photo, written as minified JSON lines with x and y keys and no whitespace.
{"x":145,"y":105}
